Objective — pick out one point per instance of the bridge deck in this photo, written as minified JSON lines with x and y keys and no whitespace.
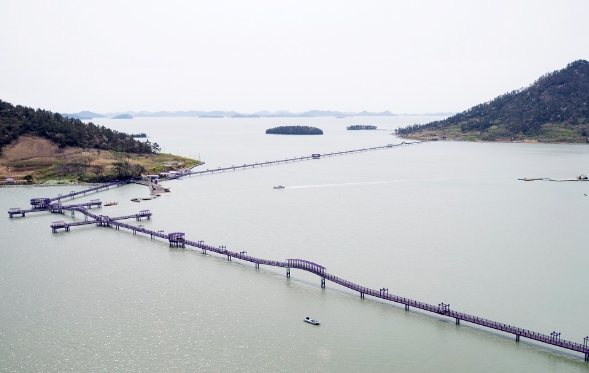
{"x":319,"y":270}
{"x":442,"y":309}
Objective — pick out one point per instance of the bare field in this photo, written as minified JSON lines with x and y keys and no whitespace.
{"x":43,"y":160}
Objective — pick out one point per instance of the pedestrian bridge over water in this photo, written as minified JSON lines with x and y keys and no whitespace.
{"x":178,"y":239}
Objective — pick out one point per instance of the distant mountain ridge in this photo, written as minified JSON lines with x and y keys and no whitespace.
{"x":231,"y":114}
{"x":555,"y":108}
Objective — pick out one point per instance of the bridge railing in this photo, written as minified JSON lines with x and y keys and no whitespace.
{"x":320,"y":271}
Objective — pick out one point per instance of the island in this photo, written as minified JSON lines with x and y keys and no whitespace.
{"x":39,"y":146}
{"x":294,"y":130}
{"x":123,"y":116}
{"x":358,"y":127}
{"x":553,"y":109}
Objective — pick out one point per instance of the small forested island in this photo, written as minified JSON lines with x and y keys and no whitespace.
{"x":294,"y":130}
{"x":358,"y":127}
{"x":39,"y":146}
{"x":123,"y":116}
{"x":555,"y":108}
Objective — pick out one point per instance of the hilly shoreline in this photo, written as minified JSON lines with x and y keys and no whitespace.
{"x":553,"y":109}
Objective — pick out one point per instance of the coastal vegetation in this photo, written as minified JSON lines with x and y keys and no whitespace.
{"x":358,"y":127}
{"x":38,"y":145}
{"x":294,"y":130}
{"x":16,"y":121}
{"x":555,"y":108}
{"x":33,"y":158}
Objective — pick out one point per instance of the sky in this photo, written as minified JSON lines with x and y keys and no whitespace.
{"x":404,"y":56}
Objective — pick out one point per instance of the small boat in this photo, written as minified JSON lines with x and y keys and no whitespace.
{"x":311,"y":321}
{"x":279,"y":187}
{"x":111,"y":203}
{"x":146,"y":198}
{"x":135,"y":200}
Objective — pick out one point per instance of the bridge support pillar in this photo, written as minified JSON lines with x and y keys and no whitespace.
{"x":517,"y":337}
{"x":229,"y":257}
{"x":457,"y":321}
{"x":287,"y":272}
{"x":73,"y":213}
{"x":406,"y":307}
{"x":587,"y":357}
{"x":322,"y":282}
{"x":257,"y":265}
{"x":362,"y":295}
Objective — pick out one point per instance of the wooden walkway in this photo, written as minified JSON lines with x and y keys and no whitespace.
{"x":295,"y":159}
{"x":178,"y":239}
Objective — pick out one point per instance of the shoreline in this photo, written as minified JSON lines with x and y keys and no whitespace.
{"x":530,"y":141}
{"x":32,"y":185}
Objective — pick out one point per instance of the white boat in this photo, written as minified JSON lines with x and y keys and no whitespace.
{"x":311,"y":321}
{"x":279,"y":187}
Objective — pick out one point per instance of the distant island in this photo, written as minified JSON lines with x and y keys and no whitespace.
{"x":123,"y":116}
{"x":233,"y":114}
{"x":84,"y":115}
{"x":294,"y":130}
{"x":360,"y":127}
{"x":555,"y":108}
{"x":245,"y":116}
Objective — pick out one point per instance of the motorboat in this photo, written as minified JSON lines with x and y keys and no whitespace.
{"x":279,"y":187}
{"x":311,"y":321}
{"x":111,"y":203}
{"x":135,"y":200}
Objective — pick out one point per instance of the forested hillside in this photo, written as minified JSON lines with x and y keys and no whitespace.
{"x":554,"y":108}
{"x":19,"y":120}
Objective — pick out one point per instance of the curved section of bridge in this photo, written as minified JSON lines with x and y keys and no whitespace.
{"x":177,"y":239}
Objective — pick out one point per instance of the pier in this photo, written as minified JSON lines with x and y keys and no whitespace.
{"x":179,"y":240}
{"x":314,"y":156}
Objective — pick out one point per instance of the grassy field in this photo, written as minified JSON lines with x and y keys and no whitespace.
{"x":40,"y":160}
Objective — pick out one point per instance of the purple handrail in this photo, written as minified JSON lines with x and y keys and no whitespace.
{"x":319,"y":270}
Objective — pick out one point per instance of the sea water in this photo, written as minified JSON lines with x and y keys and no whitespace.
{"x":444,"y":221}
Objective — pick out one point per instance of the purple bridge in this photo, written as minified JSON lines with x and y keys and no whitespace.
{"x":178,"y":239}
{"x":294,"y":159}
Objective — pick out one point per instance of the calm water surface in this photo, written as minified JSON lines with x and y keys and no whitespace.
{"x":441,"y":222}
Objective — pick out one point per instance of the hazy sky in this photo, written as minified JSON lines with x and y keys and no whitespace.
{"x":403,"y":56}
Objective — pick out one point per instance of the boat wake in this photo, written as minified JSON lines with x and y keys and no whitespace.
{"x":372,"y":183}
